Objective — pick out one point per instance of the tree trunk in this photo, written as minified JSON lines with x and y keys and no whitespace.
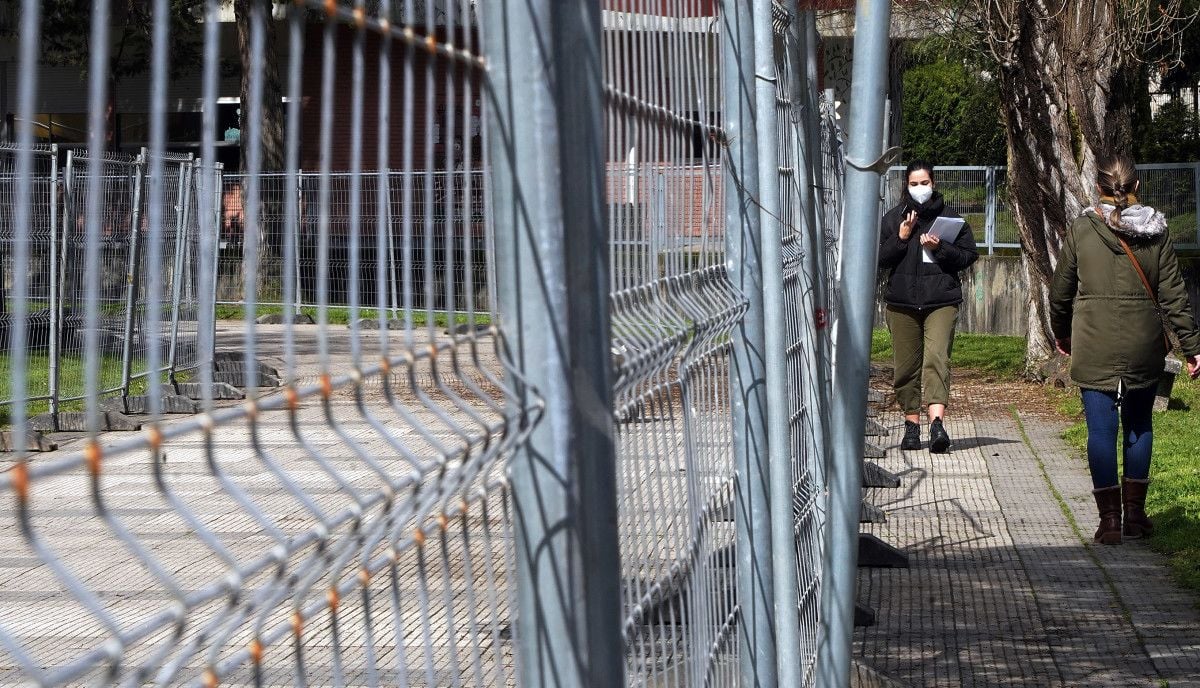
{"x":271,"y":205}
{"x":1066,"y":103}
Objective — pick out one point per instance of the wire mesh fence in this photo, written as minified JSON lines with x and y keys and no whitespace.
{"x":673,"y":310}
{"x":427,"y":215}
{"x":570,"y":489}
{"x":39,"y":273}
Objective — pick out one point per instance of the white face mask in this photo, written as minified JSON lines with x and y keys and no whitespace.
{"x":921,"y":193}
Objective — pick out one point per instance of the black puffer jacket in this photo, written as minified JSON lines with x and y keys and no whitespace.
{"x":913,"y":283}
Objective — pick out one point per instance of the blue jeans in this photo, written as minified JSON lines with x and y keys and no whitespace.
{"x":1135,"y":416}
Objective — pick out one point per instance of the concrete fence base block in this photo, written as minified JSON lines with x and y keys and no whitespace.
{"x":875,"y":429}
{"x":78,"y":422}
{"x":869,"y":513}
{"x":873,"y":451}
{"x":239,"y":379}
{"x":195,"y":391}
{"x":282,"y":318}
{"x":874,"y":553}
{"x":875,"y":475}
{"x":467,"y":328}
{"x":235,"y":362}
{"x":863,"y":615}
{"x":863,"y":676}
{"x":34,"y":442}
{"x":373,"y":324}
{"x":140,"y":404}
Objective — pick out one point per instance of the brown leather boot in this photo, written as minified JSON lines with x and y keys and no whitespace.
{"x":1133,"y":495}
{"x":1108,"y":502}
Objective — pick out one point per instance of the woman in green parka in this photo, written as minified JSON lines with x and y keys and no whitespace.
{"x":1115,"y":288}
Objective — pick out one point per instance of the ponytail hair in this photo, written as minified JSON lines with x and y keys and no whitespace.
{"x":1117,"y":178}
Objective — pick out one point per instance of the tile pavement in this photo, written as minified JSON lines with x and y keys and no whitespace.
{"x":1001,"y":591}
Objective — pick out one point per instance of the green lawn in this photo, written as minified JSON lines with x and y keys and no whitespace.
{"x":340,"y":315}
{"x":1003,"y":357}
{"x":1174,"y":499}
{"x":71,"y":381}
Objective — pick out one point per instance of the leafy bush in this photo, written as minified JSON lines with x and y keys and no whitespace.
{"x":951,"y":116}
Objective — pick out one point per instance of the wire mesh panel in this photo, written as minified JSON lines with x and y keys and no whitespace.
{"x":1174,"y":190}
{"x":673,"y":310}
{"x":113,"y":202}
{"x":40,"y":276}
{"x":801,"y":357}
{"x":350,"y":526}
{"x":455,"y":204}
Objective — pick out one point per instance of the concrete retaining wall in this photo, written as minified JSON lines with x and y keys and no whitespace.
{"x":995,"y":299}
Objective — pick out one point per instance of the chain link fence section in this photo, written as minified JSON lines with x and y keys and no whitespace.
{"x":40,"y":277}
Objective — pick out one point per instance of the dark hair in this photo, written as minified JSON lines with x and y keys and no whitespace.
{"x":916,"y":165}
{"x":1117,"y":177}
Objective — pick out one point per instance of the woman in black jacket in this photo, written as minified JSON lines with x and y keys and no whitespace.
{"x":922,"y":296}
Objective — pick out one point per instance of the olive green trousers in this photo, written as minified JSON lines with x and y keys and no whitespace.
{"x":921,"y":344}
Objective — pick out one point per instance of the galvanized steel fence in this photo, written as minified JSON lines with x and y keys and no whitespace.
{"x":60,"y":288}
{"x":618,"y":473}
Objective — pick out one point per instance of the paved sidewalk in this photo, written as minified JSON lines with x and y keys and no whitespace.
{"x":1001,"y":590}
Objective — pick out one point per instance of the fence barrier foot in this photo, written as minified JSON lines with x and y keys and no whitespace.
{"x":875,"y":475}
{"x":873,"y":451}
{"x":77,"y":421}
{"x":869,"y":513}
{"x":139,"y":405}
{"x":230,"y":367}
{"x":373,"y":324}
{"x":863,"y":615}
{"x":863,"y":676}
{"x":875,"y":429}
{"x":285,"y":318}
{"x":195,"y":391}
{"x":34,"y":442}
{"x":874,"y":553}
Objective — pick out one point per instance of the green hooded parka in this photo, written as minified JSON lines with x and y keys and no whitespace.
{"x":1098,"y":301}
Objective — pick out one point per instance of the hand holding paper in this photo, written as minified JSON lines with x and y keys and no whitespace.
{"x":943,"y":229}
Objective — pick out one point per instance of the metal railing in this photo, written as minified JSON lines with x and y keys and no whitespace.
{"x":980,"y":194}
{"x":619,"y":474}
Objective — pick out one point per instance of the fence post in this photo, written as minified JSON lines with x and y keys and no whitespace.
{"x":546,"y":150}
{"x":55,"y":307}
{"x":814,"y":400}
{"x":785,"y":586}
{"x":1196,"y":194}
{"x":298,"y":296}
{"x":989,"y":223}
{"x":182,"y":218}
{"x":860,"y":246}
{"x":748,"y":399}
{"x":131,"y":277}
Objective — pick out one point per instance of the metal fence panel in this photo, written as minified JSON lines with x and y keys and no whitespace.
{"x":673,"y":310}
{"x":39,"y":278}
{"x":468,"y":471}
{"x":354,"y":526}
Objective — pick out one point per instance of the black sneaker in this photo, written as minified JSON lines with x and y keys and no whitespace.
{"x":912,"y":436}
{"x":939,"y":440}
